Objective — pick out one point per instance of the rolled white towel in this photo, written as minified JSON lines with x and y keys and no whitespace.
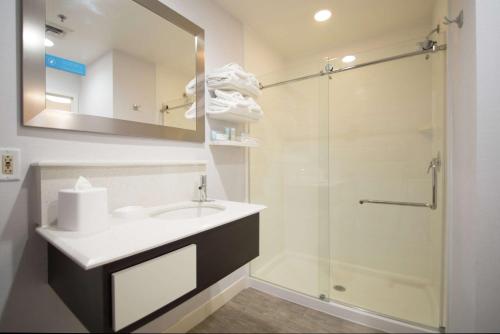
{"x":230,"y":81}
{"x":191,"y":112}
{"x":234,"y":96}
{"x":191,"y":87}
{"x":238,"y":100}
{"x":234,"y":103}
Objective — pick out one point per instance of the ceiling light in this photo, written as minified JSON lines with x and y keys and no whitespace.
{"x":322,"y":15}
{"x":32,"y":38}
{"x":59,"y":99}
{"x":348,"y":59}
{"x":48,"y":43}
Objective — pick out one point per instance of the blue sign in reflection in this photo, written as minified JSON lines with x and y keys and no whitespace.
{"x":66,"y":65}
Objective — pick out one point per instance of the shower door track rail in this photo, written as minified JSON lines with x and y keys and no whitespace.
{"x":434,"y":49}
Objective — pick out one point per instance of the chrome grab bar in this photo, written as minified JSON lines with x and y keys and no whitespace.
{"x":373,"y":201}
{"x":434,"y":166}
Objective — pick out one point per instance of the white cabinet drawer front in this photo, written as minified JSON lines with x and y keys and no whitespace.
{"x":144,"y":288}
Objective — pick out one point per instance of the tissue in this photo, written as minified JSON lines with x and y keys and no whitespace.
{"x":82,"y":183}
{"x":83,"y":208}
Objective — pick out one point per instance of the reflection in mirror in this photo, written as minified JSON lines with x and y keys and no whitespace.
{"x":117,"y":59}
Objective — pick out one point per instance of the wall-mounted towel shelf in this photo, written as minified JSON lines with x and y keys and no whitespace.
{"x":232,"y":117}
{"x":233,"y":143}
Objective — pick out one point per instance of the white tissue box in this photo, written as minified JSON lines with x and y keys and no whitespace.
{"x":84,"y":210}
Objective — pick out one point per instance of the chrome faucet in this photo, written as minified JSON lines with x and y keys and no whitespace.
{"x":203,"y":189}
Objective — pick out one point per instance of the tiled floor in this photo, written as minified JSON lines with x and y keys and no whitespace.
{"x":252,"y":311}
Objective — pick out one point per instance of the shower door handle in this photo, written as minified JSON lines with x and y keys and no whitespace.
{"x":373,"y":201}
{"x":433,"y":165}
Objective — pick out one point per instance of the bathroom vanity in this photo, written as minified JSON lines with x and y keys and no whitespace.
{"x":137,"y":269}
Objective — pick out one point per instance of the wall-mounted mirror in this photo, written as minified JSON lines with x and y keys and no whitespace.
{"x":128,"y":67}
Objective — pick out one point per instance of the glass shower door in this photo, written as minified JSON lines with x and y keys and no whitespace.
{"x":383,"y":133}
{"x":289,"y":174}
{"x":329,"y":142}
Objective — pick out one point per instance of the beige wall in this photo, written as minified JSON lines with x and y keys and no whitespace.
{"x":380,"y":149}
{"x":265,"y":171}
{"x":170,"y":86}
{"x":439,"y":144}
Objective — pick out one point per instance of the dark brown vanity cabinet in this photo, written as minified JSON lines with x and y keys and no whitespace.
{"x":142,"y":282}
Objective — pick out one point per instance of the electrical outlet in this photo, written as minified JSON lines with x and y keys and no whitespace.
{"x":10,"y":160}
{"x":7,"y":164}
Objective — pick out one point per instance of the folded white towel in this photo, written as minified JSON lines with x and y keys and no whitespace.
{"x":229,"y":102}
{"x":233,"y":77}
{"x":234,"y":103}
{"x":233,"y":98}
{"x":230,"y":77}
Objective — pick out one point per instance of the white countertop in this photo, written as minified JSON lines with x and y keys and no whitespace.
{"x":127,"y":237}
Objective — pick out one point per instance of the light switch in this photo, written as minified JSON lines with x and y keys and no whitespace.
{"x":11,"y":164}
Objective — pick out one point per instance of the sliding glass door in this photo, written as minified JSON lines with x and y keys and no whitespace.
{"x":385,"y":123}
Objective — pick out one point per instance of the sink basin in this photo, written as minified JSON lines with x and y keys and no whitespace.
{"x":188,"y":211}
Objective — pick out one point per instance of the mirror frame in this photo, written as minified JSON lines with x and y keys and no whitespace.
{"x":33,"y":81}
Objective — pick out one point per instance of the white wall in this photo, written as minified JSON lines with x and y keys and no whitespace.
{"x":474,"y":214}
{"x":134,"y":83}
{"x":260,"y":58}
{"x":462,"y":109}
{"x":117,"y":81}
{"x":64,"y":83}
{"x":96,"y":95}
{"x":488,"y":165}
{"x":26,"y":301}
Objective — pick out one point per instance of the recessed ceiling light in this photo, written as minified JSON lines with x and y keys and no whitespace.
{"x":322,"y":15}
{"x":48,"y":43}
{"x":348,"y":59}
{"x":59,"y":99}
{"x":32,"y":38}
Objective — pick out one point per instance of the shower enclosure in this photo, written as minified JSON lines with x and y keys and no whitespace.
{"x":351,"y":169}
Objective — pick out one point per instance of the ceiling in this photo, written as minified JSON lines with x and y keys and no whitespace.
{"x":288,"y":25}
{"x":96,"y":27}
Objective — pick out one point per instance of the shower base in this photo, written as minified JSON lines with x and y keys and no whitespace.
{"x":385,"y":293}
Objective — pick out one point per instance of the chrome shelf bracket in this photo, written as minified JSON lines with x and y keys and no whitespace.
{"x":459,"y":20}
